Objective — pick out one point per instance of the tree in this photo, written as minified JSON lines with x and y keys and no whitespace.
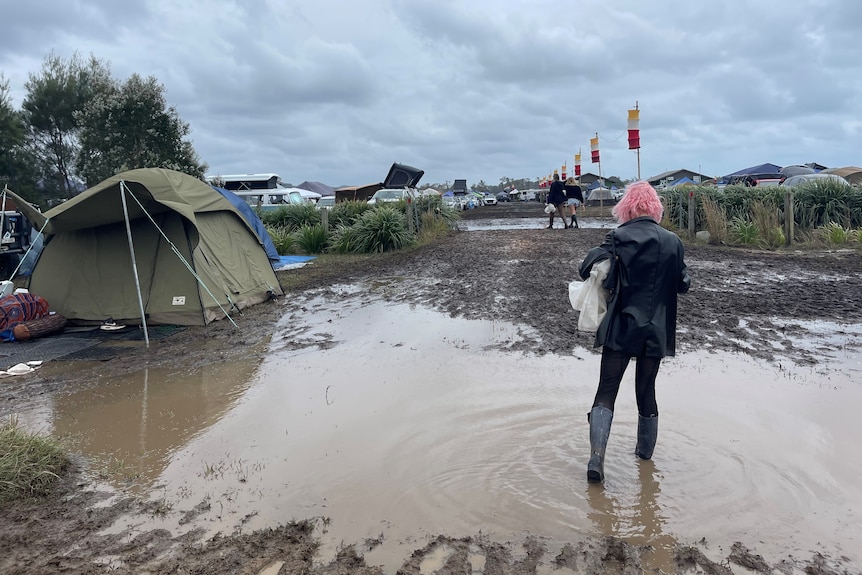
{"x":53,"y":99}
{"x":130,"y":126}
{"x":16,"y":163}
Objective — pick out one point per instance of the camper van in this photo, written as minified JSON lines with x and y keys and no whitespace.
{"x":262,"y":191}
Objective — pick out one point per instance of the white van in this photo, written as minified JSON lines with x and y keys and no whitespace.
{"x":262,"y":191}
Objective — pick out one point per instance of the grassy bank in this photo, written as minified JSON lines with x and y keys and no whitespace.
{"x":29,"y":464}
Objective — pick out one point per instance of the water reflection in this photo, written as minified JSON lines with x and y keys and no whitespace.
{"x":131,"y":424}
{"x":639,"y":522}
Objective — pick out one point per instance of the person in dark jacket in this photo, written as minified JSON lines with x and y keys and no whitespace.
{"x":641,"y":319}
{"x":574,"y":199}
{"x":557,"y":198}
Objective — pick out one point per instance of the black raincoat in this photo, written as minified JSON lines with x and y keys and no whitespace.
{"x":641,"y":318}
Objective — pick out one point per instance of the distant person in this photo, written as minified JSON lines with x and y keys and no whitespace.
{"x":641,"y":318}
{"x":574,"y":199}
{"x":557,"y":198}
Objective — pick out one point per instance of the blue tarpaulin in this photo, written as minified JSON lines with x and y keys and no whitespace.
{"x":291,"y":262}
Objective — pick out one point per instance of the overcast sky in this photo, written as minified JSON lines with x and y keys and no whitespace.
{"x":335,"y":91}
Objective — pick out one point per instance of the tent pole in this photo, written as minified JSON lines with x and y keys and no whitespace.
{"x":134,"y":263}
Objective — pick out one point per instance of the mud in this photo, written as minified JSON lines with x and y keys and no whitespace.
{"x":798,"y":306}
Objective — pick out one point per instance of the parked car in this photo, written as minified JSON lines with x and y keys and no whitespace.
{"x":400,"y":184}
{"x":387,"y":195}
{"x":326,"y":203}
{"x":802,"y":179}
{"x":489,"y":199}
{"x":451,"y":202}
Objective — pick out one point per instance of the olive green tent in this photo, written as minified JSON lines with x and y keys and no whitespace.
{"x":150,"y":241}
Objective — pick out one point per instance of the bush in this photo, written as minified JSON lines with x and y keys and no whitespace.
{"x":347,"y":213}
{"x":292,"y":217}
{"x":29,"y":464}
{"x":716,"y":221}
{"x":383,"y":229}
{"x":432,"y":226}
{"x":766,"y":217}
{"x":834,"y":233}
{"x":284,"y":241}
{"x":345,"y":240}
{"x":743,"y":231}
{"x":313,"y":239}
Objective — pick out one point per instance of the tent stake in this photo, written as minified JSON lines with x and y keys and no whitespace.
{"x":134,"y":262}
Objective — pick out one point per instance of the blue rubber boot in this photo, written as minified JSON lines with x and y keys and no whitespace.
{"x":600,"y":419}
{"x":647,"y":436}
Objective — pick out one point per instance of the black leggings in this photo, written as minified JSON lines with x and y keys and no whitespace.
{"x":614,"y":365}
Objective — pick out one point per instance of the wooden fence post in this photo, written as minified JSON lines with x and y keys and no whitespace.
{"x":691,"y":227}
{"x":411,"y":224}
{"x":789,"y":218}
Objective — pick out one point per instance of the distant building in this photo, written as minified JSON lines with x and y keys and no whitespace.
{"x":669,"y":177}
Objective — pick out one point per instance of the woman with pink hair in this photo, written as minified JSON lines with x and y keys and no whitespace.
{"x":647,"y":272}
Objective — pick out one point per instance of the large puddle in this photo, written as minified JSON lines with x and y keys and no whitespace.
{"x":397,"y":423}
{"x":537,"y":223}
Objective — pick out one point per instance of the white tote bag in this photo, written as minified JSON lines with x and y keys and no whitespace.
{"x":590,"y":298}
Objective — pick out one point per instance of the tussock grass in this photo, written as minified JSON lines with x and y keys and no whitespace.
{"x":29,"y":464}
{"x":313,"y":239}
{"x":835,"y":234}
{"x":383,"y":229}
{"x":716,"y":221}
{"x":766,"y":217}
{"x":283,"y":239}
{"x":743,"y":231}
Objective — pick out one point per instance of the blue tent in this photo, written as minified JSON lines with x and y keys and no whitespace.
{"x":761,"y":170}
{"x":252,"y":218}
{"x":685,"y":180}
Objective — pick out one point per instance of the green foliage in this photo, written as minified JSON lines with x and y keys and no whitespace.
{"x":743,"y":231}
{"x":130,"y":125}
{"x":347,"y":213}
{"x":292,"y":216}
{"x":716,"y":221}
{"x":17,"y":164}
{"x":432,"y":226}
{"x":383,"y":229}
{"x":345,"y":240}
{"x":51,"y":109}
{"x":284,"y":241}
{"x":312,"y":238}
{"x":766,"y":217}
{"x":835,"y":233}
{"x":29,"y":464}
{"x":821,"y":202}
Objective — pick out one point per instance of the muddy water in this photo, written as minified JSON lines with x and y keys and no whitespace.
{"x":397,"y":423}
{"x":536,"y":223}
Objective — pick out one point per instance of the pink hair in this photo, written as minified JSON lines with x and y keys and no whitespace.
{"x":639,"y":199}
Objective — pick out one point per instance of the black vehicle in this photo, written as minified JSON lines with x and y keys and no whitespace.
{"x":14,"y":241}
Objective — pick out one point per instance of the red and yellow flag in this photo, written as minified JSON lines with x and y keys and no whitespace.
{"x":578,"y":164}
{"x":594,"y":149}
{"x":634,"y":129}
{"x":563,"y":172}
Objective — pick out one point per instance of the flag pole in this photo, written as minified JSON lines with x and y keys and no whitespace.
{"x":639,"y":149}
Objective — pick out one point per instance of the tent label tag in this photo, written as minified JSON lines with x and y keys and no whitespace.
{"x":179,"y":300}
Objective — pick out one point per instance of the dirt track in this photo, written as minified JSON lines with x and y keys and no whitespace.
{"x":519,"y":276}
